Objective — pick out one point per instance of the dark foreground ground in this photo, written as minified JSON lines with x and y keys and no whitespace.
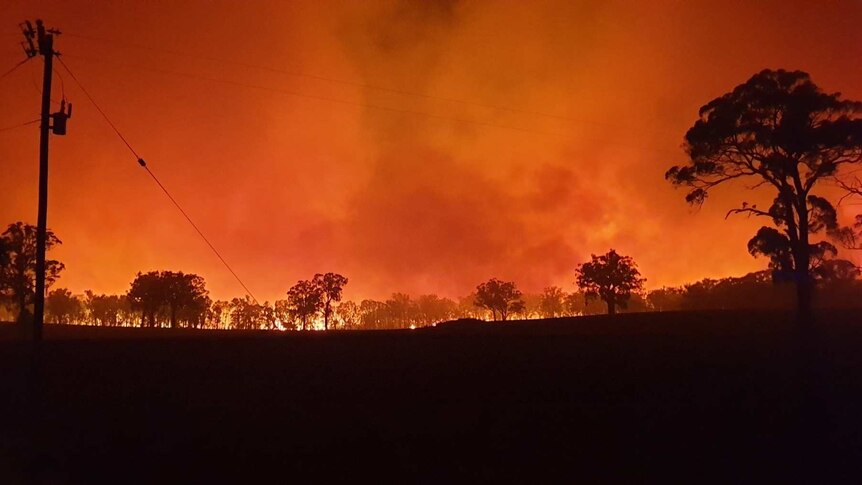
{"x":710,"y":397}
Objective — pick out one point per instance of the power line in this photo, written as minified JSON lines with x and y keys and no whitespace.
{"x":360,"y":104}
{"x":12,"y":127}
{"x":294,"y":73}
{"x":99,"y":109}
{"x":14,"y":68}
{"x":200,"y":233}
{"x":143,"y":164}
{"x":315,"y":97}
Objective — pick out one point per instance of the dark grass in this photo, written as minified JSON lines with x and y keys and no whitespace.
{"x":701,"y":397}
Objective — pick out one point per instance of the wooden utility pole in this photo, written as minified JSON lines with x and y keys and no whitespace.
{"x":44,"y":47}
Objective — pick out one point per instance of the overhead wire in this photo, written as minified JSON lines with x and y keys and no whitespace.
{"x":357,"y":103}
{"x":20,"y":125}
{"x":14,"y":68}
{"x":62,"y":84}
{"x":144,"y":165}
{"x":314,"y":96}
{"x":295,"y":73}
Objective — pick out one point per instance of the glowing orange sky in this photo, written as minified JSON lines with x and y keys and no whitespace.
{"x":287,"y":185}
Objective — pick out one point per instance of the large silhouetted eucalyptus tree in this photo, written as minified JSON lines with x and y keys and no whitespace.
{"x":777,"y":130}
{"x":611,"y":277}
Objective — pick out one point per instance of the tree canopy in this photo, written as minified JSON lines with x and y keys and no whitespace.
{"x":247,"y":314}
{"x":18,"y":265}
{"x":305,"y":300}
{"x":611,"y":277}
{"x":63,"y":307}
{"x":330,"y":285}
{"x":179,"y":297}
{"x":552,"y":303}
{"x":500,"y":297}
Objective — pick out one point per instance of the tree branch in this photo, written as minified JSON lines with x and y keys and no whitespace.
{"x":748,"y":210}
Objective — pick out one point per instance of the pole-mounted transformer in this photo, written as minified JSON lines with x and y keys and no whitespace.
{"x":58,"y":127}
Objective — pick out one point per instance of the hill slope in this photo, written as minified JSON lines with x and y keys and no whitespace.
{"x":706,"y":397}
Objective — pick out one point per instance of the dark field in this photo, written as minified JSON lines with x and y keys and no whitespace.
{"x":706,"y":397}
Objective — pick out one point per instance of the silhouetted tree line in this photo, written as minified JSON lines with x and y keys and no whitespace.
{"x":753,"y":291}
{"x":608,"y":283}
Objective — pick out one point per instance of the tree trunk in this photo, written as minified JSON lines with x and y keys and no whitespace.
{"x":802,"y":275}
{"x":612,"y":306}
{"x":803,"y":262}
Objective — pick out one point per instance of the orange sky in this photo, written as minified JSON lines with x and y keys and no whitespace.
{"x":396,"y":191}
